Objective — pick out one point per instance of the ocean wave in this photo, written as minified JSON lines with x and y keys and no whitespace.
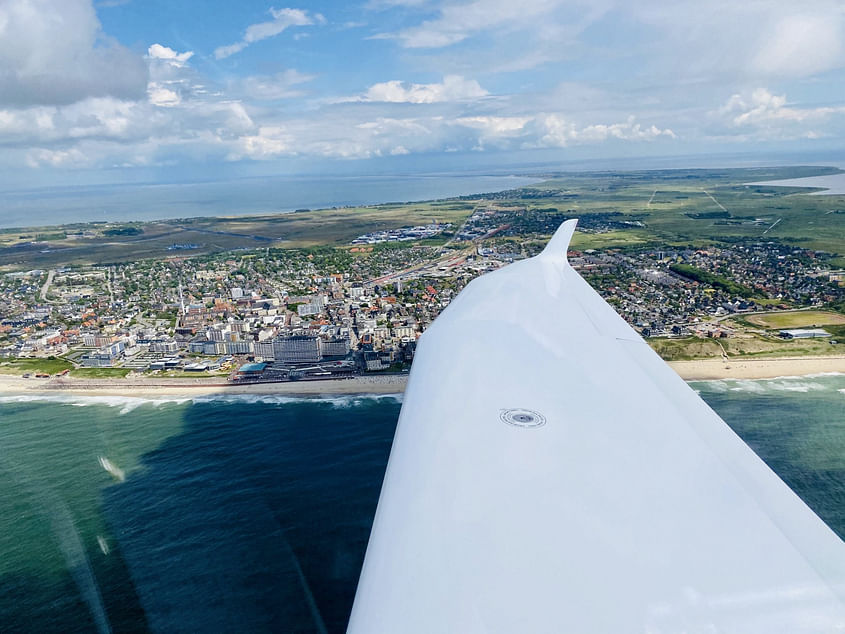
{"x":128,"y":404}
{"x":790,"y":377}
{"x":747,"y":386}
{"x":802,"y":384}
{"x":714,"y":386}
{"x":345,"y":400}
{"x":125,"y":403}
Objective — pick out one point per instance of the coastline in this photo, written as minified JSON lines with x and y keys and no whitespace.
{"x":762,"y":368}
{"x":695,"y":370}
{"x":144,"y":388}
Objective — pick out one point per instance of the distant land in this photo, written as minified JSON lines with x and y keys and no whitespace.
{"x":672,"y":207}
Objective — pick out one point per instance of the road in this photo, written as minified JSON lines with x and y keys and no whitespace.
{"x":46,"y":286}
{"x":773,"y":226}
{"x":450,"y":259}
{"x":710,"y":196}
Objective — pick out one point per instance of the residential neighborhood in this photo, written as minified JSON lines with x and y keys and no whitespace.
{"x":327,"y":312}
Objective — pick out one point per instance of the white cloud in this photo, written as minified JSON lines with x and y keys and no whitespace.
{"x":549,"y":130}
{"x":272,"y":87}
{"x":763,"y":109}
{"x":800,"y":45}
{"x":458,"y":21}
{"x":452,"y":88}
{"x":282,"y":20}
{"x":55,"y":53}
{"x":719,"y":39}
{"x":157,"y":51}
{"x":171,"y":78}
{"x":164,"y":97}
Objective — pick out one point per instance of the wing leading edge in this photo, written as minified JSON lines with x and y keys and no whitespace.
{"x":550,"y":473}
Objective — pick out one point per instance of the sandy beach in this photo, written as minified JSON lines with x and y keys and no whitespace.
{"x":146,"y":388}
{"x":702,"y":369}
{"x":767,"y":368}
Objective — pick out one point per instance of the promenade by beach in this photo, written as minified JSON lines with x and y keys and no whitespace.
{"x":696,"y":370}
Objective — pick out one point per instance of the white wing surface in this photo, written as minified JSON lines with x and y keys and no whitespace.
{"x":550,"y":473}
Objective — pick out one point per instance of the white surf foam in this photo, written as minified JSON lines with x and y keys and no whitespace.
{"x":128,"y":404}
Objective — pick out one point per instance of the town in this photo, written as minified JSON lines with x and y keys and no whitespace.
{"x":302,"y":314}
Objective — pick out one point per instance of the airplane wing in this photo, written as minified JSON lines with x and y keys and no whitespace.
{"x":550,"y":473}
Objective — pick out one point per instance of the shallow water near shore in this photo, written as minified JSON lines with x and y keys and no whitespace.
{"x":252,"y":513}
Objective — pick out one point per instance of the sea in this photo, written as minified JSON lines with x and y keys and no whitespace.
{"x":252,"y":513}
{"x":236,"y":197}
{"x":830,"y":184}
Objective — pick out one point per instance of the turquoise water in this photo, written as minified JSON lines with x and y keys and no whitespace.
{"x":253,"y":513}
{"x":797,"y":425}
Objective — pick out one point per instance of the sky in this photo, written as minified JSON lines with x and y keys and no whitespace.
{"x":129,"y":90}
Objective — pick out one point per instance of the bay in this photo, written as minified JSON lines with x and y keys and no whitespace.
{"x":831,"y":184}
{"x":246,"y":196}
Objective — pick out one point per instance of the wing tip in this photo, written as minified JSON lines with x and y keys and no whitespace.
{"x":559,"y":244}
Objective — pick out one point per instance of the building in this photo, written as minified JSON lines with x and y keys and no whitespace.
{"x":334,"y":347}
{"x":164,"y":346}
{"x":264,"y":349}
{"x":404,"y":331}
{"x":373,"y":362}
{"x":304,"y":310}
{"x":104,"y":357}
{"x":238,"y":347}
{"x":95,"y":340}
{"x":803,"y":333}
{"x":297,"y":349}
{"x":250,"y":371}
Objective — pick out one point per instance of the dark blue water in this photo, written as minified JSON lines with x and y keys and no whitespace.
{"x":254,"y":514}
{"x":251,"y":517}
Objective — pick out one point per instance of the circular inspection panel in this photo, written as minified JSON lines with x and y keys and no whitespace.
{"x":520,"y":417}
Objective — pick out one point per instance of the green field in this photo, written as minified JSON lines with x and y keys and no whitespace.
{"x":23,"y":366}
{"x":797,"y":319}
{"x":609,"y":240}
{"x":701,"y":207}
{"x":99,"y":373}
{"x":750,"y":346}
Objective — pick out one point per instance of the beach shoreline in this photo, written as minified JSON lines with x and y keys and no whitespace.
{"x":695,"y":370}
{"x":146,"y":388}
{"x":760,"y":368}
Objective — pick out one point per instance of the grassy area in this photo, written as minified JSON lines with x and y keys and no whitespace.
{"x":751,"y":346}
{"x":774,"y":347}
{"x":35,"y":366}
{"x":796,"y":319}
{"x":685,"y":348}
{"x":156,"y":240}
{"x":181,"y":374}
{"x":99,"y":373}
{"x":698,"y":207}
{"x":609,"y":240}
